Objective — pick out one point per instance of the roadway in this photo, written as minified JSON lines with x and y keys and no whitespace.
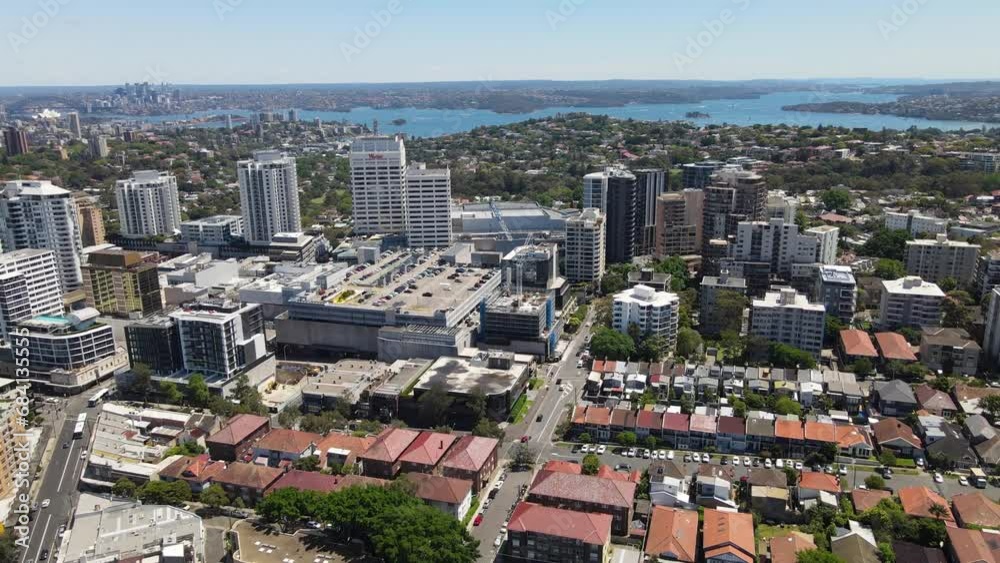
{"x":60,"y":474}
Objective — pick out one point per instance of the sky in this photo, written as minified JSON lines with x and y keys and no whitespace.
{"x":88,"y":42}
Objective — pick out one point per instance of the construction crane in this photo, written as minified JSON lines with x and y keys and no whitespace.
{"x":499,"y":217}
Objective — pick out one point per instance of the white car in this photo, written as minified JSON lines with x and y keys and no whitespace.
{"x":963,"y":481}
{"x":736,"y":460}
{"x":767,"y":463}
{"x":843,"y":470}
{"x":780,"y":464}
{"x":601,"y":449}
{"x":631,"y":452}
{"x":746,"y":461}
{"x":938,"y":478}
{"x":670,"y":454}
{"x":798,"y":466}
{"x":645,"y":454}
{"x":45,"y":503}
{"x":920,"y":462}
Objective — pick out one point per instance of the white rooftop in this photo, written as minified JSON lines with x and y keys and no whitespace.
{"x":912,"y":285}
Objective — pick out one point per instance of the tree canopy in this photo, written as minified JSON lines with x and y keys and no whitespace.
{"x":611,"y":344}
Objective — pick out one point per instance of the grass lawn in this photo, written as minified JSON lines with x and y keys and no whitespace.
{"x":523,"y":412}
{"x":767,"y":531}
{"x":535,"y":382}
{"x":519,"y":409}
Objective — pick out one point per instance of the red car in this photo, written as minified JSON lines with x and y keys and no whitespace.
{"x":525,"y":438}
{"x":478,"y":520}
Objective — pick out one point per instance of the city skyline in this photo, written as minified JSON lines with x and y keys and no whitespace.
{"x":220,"y":42}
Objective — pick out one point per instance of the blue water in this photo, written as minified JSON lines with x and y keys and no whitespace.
{"x":763,"y":110}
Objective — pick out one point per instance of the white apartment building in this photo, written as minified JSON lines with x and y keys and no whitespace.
{"x":213,"y":231}
{"x":29,"y":286}
{"x":910,"y":301}
{"x":838,"y":291}
{"x":220,"y":341}
{"x":585,"y":240}
{"x":654,"y":312}
{"x":781,"y":206}
{"x":378,"y":185}
{"x":269,"y":196}
{"x":940,"y":258}
{"x":915,"y":223}
{"x":827,"y":237}
{"x":787,"y":316}
{"x":68,"y":343}
{"x":38,"y":214}
{"x":428,"y":195}
{"x":991,"y":340}
{"x":148,"y":204}
{"x":778,"y":243}
{"x":595,"y":186}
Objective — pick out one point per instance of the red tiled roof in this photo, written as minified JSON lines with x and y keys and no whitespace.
{"x":305,"y":481}
{"x":239,"y":428}
{"x":580,"y":414}
{"x":784,"y":549}
{"x":598,"y":366}
{"x":584,"y":488}
{"x":820,"y":431}
{"x":599,"y":416}
{"x":971,"y":546}
{"x":248,"y":475}
{"x":356,"y":445}
{"x":649,"y":419}
{"x":390,"y":444}
{"x":676,"y":421}
{"x":563,"y":466}
{"x":673,"y":533}
{"x":732,"y":425}
{"x":849,"y":435}
{"x":606,"y":472}
{"x":440,"y":489}
{"x":470,"y":453}
{"x":428,"y":448}
{"x":857,"y":343}
{"x":889,"y":429}
{"x":788,"y":429}
{"x":623,"y":418}
{"x":894,"y":346}
{"x":917,"y":501}
{"x":288,"y":441}
{"x":703,"y":423}
{"x":866,"y":499}
{"x":977,"y":509}
{"x":198,"y":469}
{"x":586,"y":527}
{"x":728,"y":533}
{"x":817,"y":481}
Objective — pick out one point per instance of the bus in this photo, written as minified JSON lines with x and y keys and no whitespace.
{"x":81,"y":424}
{"x":96,"y":398}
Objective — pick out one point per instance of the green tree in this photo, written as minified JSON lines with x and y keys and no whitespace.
{"x":214,"y":496}
{"x":612,"y":282}
{"x":307,"y":463}
{"x":863,"y":367}
{"x":523,"y":456}
{"x":887,"y":458}
{"x":611,"y":344}
{"x":434,"y":404}
{"x":322,"y":423}
{"x":739,"y":407}
{"x":653,"y":348}
{"x":185,"y":448}
{"x":783,"y":355}
{"x":247,"y":397}
{"x":991,"y":407}
{"x":585,"y":438}
{"x":488,"y":428}
{"x":948,"y":284}
{"x":727,"y":312}
{"x":785,"y":405}
{"x":171,"y":393}
{"x":124,"y":488}
{"x":875,"y":482}
{"x":591,"y":464}
{"x":476,"y":404}
{"x":626,"y":439}
{"x":175,"y":493}
{"x":677,"y":268}
{"x":689,"y":343}
{"x":817,"y":556}
{"x":836,"y":199}
{"x":141,"y":383}
{"x":289,"y":417}
{"x":9,"y":550}
{"x":889,"y":269}
{"x":283,"y":506}
{"x":885,"y":243}
{"x":198,"y":392}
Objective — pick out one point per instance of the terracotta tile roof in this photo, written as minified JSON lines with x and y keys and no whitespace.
{"x":440,"y":489}
{"x":598,"y":366}
{"x":732,"y":425}
{"x":248,"y":475}
{"x":895,"y":347}
{"x":817,"y":481}
{"x":913,"y":553}
{"x":976,"y":508}
{"x":726,"y":473}
{"x":623,"y":418}
{"x":428,"y":448}
{"x":197,"y":469}
{"x":820,"y":431}
{"x":288,"y":441}
{"x":356,"y":445}
{"x":561,"y":466}
{"x":583,"y":488}
{"x":587,"y":527}
{"x":764,"y":477}
{"x":672,"y":534}
{"x":784,"y":548}
{"x":728,"y":533}
{"x":599,"y":416}
{"x":849,"y":435}
{"x":933,"y":400}
{"x":239,"y":428}
{"x":305,"y":481}
{"x":866,"y":499}
{"x":917,"y":501}
{"x":649,"y":419}
{"x":390,"y":444}
{"x":580,"y":414}
{"x":470,"y":453}
{"x":788,"y":429}
{"x":889,"y":429}
{"x":606,"y":472}
{"x":676,"y":421}
{"x":857,"y":343}
{"x":704,"y":423}
{"x":971,"y":546}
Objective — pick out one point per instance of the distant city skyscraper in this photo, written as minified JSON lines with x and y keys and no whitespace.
{"x":38,"y":214}
{"x":229,"y":121}
{"x":613,"y":191}
{"x":98,"y":146}
{"x":378,"y":185}
{"x":650,"y":184}
{"x":269,"y":196}
{"x":15,"y":141}
{"x":74,"y":125}
{"x":148,"y":204}
{"x":428,"y":202}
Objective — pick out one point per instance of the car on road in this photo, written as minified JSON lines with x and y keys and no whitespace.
{"x":525,"y":438}
{"x":767,"y":463}
{"x":538,"y":418}
{"x":499,"y":485}
{"x":478,"y":520}
{"x":491,"y":495}
{"x":83,"y":454}
{"x":843,"y":470}
{"x":662,"y":454}
{"x":828,"y":469}
{"x":920,"y":462}
{"x":687,"y":458}
{"x":746,"y":461}
{"x":887,"y":472}
{"x":670,"y":454}
{"x":706,"y":458}
{"x":963,"y":481}
{"x":631,"y":452}
{"x":601,"y":449}
{"x":798,"y":466}
{"x":736,"y":460}
{"x":61,"y":531}
{"x":65,"y":445}
{"x":46,"y":503}
{"x":623,"y":467}
{"x":44,"y":555}
{"x":938,"y":478}
{"x":645,"y":454}
{"x":756,"y":462}
{"x":724,"y":461}
{"x":579,"y":363}
{"x":498,"y":542}
{"x":780,"y":464}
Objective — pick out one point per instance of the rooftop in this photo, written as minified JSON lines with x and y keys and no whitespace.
{"x":912,"y":285}
{"x":672,"y":533}
{"x":584,"y":488}
{"x":239,"y":428}
{"x":857,"y":343}
{"x":895,"y":347}
{"x":585,"y":527}
{"x":463,"y":375}
{"x":436,"y":488}
{"x":918,"y":501}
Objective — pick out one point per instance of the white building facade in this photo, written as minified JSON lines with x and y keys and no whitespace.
{"x":787,"y":316}
{"x":148,"y":204}
{"x":428,"y":195}
{"x":654,"y":312}
{"x":910,"y":301}
{"x":269,"y":196}
{"x":585,"y":243}
{"x":29,"y":286}
{"x":378,"y":185}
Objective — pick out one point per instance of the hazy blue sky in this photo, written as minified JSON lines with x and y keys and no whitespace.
{"x":272,"y":41}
